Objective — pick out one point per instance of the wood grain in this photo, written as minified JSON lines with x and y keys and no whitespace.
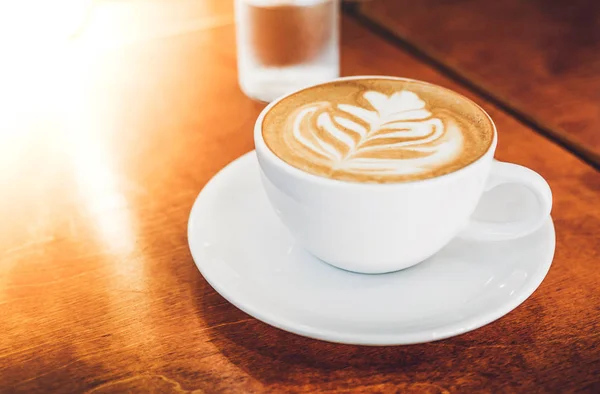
{"x":98,"y":292}
{"x":540,"y":58}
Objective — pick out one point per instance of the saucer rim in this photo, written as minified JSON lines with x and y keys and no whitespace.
{"x":403,"y":338}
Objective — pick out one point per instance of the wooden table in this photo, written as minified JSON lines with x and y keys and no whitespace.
{"x":101,"y":158}
{"x":539,"y":60}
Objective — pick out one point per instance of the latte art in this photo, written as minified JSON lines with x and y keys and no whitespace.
{"x":398,"y":136}
{"x":377,"y":130}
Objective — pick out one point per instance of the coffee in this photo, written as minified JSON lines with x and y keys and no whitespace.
{"x":377,"y":130}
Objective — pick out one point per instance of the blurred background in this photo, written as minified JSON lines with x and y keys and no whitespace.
{"x":540,"y":59}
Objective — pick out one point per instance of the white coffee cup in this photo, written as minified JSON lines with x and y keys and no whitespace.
{"x":377,"y":228}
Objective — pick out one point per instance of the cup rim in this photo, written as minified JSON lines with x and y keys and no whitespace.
{"x":264,"y":151}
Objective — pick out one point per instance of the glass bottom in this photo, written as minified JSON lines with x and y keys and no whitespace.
{"x":268,"y":83}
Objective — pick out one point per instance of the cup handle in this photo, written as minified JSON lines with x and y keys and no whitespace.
{"x":508,"y":173}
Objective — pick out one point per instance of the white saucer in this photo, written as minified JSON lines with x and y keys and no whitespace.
{"x":246,"y":254}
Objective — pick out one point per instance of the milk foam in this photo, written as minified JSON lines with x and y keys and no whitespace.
{"x":355,"y":139}
{"x":377,"y":130}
